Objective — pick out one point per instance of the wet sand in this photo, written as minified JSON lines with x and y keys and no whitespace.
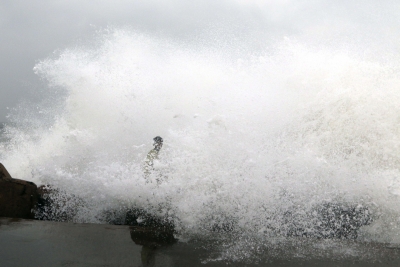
{"x":41,"y":243}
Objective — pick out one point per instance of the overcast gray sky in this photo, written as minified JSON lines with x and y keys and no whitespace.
{"x":32,"y":30}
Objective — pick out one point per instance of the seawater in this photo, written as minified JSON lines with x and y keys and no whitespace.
{"x":250,"y":135}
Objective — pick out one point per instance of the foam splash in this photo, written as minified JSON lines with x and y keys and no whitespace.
{"x":246,"y":140}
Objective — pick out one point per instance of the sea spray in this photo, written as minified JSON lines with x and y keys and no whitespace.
{"x":253,"y":145}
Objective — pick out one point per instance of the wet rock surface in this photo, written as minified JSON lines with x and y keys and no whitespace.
{"x":57,"y":205}
{"x":18,"y":198}
{"x":327,"y":220}
{"x":152,"y":236}
{"x":140,"y":217}
{"x":148,"y":230}
{"x":22,"y":199}
{"x":330,"y":220}
{"x":342,"y":220}
{"x":4,"y":175}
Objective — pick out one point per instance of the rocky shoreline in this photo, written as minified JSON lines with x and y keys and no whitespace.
{"x":23,"y":199}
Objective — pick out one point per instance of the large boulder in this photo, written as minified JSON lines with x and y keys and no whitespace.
{"x":18,"y":198}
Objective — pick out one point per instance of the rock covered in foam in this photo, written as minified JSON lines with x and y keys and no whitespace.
{"x":331,"y":220}
{"x":56,"y":205}
{"x":342,"y":220}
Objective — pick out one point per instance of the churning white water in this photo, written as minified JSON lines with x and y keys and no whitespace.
{"x":249,"y":136}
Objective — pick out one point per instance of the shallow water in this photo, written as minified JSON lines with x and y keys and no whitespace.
{"x":42,"y":243}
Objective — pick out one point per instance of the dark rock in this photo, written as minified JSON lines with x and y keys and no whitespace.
{"x":44,"y":209}
{"x":140,"y":217}
{"x":4,"y":175}
{"x":18,"y":198}
{"x":56,"y":205}
{"x":152,"y":236}
{"x":113,"y":216}
{"x":339,"y":220}
{"x":329,"y":220}
{"x":221,"y":223}
{"x":149,"y":230}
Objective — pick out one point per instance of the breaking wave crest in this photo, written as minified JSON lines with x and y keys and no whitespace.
{"x":262,"y":143}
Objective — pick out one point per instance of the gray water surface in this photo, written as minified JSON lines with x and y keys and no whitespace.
{"x":41,"y":243}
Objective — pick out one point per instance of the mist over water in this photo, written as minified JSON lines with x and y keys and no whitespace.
{"x":249,"y":134}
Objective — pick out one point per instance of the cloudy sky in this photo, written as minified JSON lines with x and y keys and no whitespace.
{"x":32,"y":30}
